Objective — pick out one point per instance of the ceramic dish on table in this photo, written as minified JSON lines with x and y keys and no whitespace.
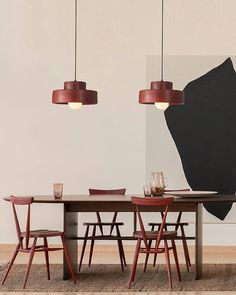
{"x":192,"y":194}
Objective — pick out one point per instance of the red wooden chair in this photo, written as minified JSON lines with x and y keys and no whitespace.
{"x":144,"y":238}
{"x":179,"y":228}
{"x":25,"y":237}
{"x":101,"y":225}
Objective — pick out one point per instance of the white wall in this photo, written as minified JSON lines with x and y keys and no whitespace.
{"x":102,"y":145}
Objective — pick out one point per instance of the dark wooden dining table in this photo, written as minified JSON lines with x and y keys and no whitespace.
{"x":75,"y":204}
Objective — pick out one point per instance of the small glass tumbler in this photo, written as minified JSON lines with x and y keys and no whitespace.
{"x":57,"y":190}
{"x":147,"y":190}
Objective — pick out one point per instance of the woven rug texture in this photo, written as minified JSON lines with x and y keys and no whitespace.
{"x":109,"y":278}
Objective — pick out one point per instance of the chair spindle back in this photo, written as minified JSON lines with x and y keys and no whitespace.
{"x":160,"y":202}
{"x":120,"y":191}
{"x":93,"y":191}
{"x":26,"y":201}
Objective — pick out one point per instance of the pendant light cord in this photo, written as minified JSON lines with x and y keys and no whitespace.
{"x":75,"y":37}
{"x":162,"y":39}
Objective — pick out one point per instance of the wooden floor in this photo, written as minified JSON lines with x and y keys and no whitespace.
{"x":108,"y":254}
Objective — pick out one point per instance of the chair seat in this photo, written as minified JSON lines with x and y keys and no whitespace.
{"x":103,"y":223}
{"x":168,"y":223}
{"x":152,"y":235}
{"x":41,"y":233}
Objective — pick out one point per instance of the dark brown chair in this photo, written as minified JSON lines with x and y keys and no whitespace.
{"x":101,"y":225}
{"x":179,"y":228}
{"x":25,"y":237}
{"x":144,"y":238}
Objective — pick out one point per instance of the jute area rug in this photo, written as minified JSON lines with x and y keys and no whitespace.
{"x":109,"y":278}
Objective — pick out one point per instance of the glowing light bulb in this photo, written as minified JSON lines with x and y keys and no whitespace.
{"x":162,"y":106}
{"x":75,"y":105}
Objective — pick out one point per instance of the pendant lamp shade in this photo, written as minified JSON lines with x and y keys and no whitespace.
{"x":74,"y":93}
{"x":161,"y":93}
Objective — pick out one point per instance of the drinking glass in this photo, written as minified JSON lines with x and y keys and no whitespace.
{"x":147,"y":190}
{"x":165,"y":182}
{"x":57,"y":190}
{"x":157,"y":183}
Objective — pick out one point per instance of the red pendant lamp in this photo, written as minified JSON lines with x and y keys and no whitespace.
{"x":74,"y":93}
{"x":161,"y":92}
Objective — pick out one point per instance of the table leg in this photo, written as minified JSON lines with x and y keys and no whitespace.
{"x":71,"y":231}
{"x":198,"y":242}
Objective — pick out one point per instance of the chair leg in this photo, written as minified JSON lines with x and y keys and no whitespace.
{"x":119,"y":249}
{"x":32,"y":251}
{"x":113,"y":220}
{"x":46,"y":256}
{"x":92,"y":245}
{"x":176,"y":259}
{"x":155,"y":255}
{"x":11,"y":262}
{"x":168,"y":262}
{"x":121,"y":246}
{"x":134,"y":265}
{"x":147,"y":256}
{"x":83,"y":247}
{"x":123,"y":253}
{"x":99,"y":221}
{"x":185,"y":247}
{"x":155,"y":260}
{"x":68,"y":260}
{"x":187,"y":252}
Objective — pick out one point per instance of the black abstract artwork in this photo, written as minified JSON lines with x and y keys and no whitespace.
{"x":204,"y":131}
